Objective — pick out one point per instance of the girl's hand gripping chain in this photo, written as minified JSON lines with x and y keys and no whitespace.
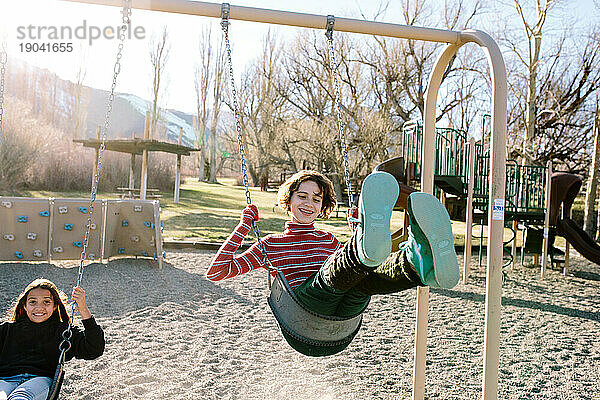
{"x":249,"y":214}
{"x":79,"y":298}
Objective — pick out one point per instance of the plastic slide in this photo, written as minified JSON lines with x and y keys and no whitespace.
{"x":579,"y":239}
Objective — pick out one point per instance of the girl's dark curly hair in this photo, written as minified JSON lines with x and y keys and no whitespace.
{"x":287,"y":189}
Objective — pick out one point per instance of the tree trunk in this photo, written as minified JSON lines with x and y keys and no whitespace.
{"x":202,"y":164}
{"x":213,"y":157}
{"x":592,"y":185}
{"x":531,"y":100}
{"x":590,"y":196}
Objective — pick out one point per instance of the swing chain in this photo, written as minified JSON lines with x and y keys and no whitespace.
{"x":238,"y":127}
{"x":117,"y":69}
{"x":65,"y":345}
{"x":338,"y":105}
{"x":3,"y":62}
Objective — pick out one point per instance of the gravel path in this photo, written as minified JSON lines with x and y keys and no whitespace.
{"x":172,"y":334}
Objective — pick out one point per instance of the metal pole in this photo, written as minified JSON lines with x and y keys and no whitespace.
{"x":497,"y":159}
{"x":289,"y":18}
{"x":144,"y":175}
{"x":178,"y":170}
{"x":427,"y":172}
{"x":546,"y":220}
{"x":469,"y":211}
{"x":497,"y":178}
{"x":567,"y":250}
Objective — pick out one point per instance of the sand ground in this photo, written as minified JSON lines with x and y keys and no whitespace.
{"x":172,"y":334}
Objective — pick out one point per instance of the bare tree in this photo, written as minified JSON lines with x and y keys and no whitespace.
{"x":551,"y":85}
{"x":310,"y":94}
{"x":159,"y":54}
{"x":79,"y":100}
{"x":218,"y":82}
{"x":202,"y":82}
{"x":531,"y":60}
{"x":401,"y":68}
{"x":266,"y":135}
{"x":592,"y":184}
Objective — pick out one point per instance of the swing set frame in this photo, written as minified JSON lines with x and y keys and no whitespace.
{"x":454,"y":40}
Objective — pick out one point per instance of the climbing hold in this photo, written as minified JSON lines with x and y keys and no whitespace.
{"x":92,"y":256}
{"x":145,"y":253}
{"x":77,"y":244}
{"x":6,"y":204}
{"x":44,"y":213}
{"x":121,"y":250}
{"x":31,"y":236}
{"x":92,"y":226}
{"x":137,"y":208}
{"x":135,"y":238}
{"x":68,"y":227}
{"x":37,"y":253}
{"x":9,"y":236}
{"x":58,"y":249}
{"x":22,"y":218}
{"x":63,"y":209}
{"x":124,"y":223}
{"x":83,"y":210}
{"x":18,"y":254}
{"x":148,"y":224}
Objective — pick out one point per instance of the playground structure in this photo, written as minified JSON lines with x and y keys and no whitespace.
{"x":461,"y":173}
{"x":35,"y":229}
{"x":534,"y":195}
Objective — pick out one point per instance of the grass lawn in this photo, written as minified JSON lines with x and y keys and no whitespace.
{"x":209,"y":212}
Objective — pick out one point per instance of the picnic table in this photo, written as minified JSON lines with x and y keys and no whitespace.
{"x":134,"y":193}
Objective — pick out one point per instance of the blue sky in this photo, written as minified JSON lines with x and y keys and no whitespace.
{"x":98,"y":58}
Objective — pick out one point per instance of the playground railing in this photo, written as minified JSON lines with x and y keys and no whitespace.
{"x":450,"y":158}
{"x":450,"y":152}
{"x":525,"y":186}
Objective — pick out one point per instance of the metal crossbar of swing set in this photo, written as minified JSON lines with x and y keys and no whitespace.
{"x":454,"y":39}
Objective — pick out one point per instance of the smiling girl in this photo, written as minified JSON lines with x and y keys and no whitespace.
{"x":29,"y":341}
{"x":338,"y":280}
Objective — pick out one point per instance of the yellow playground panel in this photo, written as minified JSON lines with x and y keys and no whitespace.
{"x":132,"y":228}
{"x":69,"y":222}
{"x":34,"y":229}
{"x":24,"y":229}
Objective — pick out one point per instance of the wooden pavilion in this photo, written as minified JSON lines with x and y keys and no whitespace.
{"x":138,"y":146}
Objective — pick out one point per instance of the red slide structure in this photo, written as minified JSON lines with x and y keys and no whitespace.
{"x":565,"y":188}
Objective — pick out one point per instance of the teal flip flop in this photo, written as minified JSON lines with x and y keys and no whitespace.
{"x":377,"y":199}
{"x":432,"y":231}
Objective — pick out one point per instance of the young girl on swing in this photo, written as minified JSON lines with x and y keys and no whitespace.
{"x":29,"y":341}
{"x":339,"y":280}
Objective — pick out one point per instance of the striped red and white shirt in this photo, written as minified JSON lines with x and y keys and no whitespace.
{"x":298,"y":252}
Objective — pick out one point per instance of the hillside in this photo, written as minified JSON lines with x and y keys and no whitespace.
{"x":130,"y":111}
{"x":62,"y":103}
